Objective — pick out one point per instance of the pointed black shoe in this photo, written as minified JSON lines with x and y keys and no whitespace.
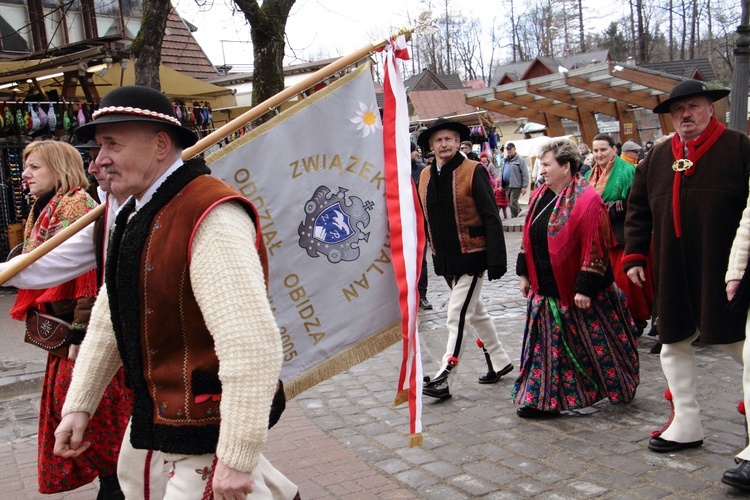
{"x":425,"y":304}
{"x":738,"y":478}
{"x":493,"y":376}
{"x":660,"y":445}
{"x":437,"y":387}
{"x":640,"y":326}
{"x":529,"y":412}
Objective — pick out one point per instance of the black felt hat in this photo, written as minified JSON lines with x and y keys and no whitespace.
{"x":442,"y":124}
{"x":133,"y":103}
{"x":687,"y":89}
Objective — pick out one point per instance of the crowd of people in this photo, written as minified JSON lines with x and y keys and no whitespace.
{"x":612,"y":234}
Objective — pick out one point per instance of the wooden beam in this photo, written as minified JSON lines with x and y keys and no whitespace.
{"x":70,"y":82}
{"x":721,"y":108}
{"x":647,"y":79}
{"x":554,"y":125}
{"x":507,"y":108}
{"x":665,"y":119}
{"x":543,"y":105}
{"x":584,"y":100}
{"x":39,"y":88}
{"x":38,"y":29}
{"x":588,"y":126}
{"x":642,"y":98}
{"x":628,"y":124}
{"x":89,"y":88}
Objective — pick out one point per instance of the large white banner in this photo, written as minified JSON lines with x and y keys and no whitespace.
{"x":315,"y":174}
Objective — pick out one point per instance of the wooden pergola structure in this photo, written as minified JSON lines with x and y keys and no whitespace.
{"x":610,"y":88}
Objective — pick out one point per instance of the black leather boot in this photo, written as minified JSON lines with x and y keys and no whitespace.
{"x":738,"y":478}
{"x":437,"y":387}
{"x":109,"y":488}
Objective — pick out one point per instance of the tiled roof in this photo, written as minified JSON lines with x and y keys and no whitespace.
{"x":686,"y":68}
{"x":452,"y":81}
{"x":583,"y":58}
{"x":431,"y":104}
{"x":427,"y":80}
{"x":513,"y":70}
{"x":181,"y":52}
{"x":516,"y":70}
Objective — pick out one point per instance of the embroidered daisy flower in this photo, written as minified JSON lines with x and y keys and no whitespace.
{"x":367,"y":119}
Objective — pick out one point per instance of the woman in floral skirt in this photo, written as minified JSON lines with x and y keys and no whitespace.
{"x":55,"y":178}
{"x":579,"y":344}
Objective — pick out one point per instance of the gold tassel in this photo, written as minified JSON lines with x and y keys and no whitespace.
{"x":416,"y":440}
{"x":401,"y":398}
{"x":343,"y":360}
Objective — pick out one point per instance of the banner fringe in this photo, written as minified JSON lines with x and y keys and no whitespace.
{"x":416,"y":440}
{"x":401,"y":398}
{"x":343,"y":360}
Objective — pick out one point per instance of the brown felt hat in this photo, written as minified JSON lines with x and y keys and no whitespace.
{"x":442,"y":124}
{"x":687,"y":89}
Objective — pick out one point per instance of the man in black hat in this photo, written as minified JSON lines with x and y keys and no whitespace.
{"x":466,"y":237}
{"x":203,"y":366}
{"x":687,"y":198}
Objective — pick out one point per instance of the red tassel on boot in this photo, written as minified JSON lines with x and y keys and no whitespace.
{"x":668,"y":397}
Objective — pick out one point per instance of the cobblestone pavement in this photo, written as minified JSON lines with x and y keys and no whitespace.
{"x":344,"y":439}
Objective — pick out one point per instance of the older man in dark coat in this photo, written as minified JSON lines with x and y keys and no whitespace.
{"x":688,"y":195}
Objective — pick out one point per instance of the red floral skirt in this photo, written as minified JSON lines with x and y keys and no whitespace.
{"x":105,"y":430}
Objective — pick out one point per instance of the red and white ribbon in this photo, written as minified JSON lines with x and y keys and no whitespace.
{"x":406,"y":224}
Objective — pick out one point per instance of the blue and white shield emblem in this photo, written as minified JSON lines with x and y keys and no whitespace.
{"x":332,"y":225}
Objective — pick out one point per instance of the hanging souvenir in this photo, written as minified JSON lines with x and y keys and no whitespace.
{"x":20,"y":120}
{"x":66,"y":121}
{"x":42,"y":117}
{"x":81,"y":117}
{"x":51,"y":118}
{"x":9,"y":121}
{"x":198,"y":112}
{"x":34,"y":120}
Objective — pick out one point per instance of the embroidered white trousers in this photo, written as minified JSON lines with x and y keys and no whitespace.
{"x":466,"y":313}
{"x":142,"y":475}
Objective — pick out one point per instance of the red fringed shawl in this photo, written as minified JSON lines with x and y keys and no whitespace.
{"x":57,"y":214}
{"x":574,"y":235}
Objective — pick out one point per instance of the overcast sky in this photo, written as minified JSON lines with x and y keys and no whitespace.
{"x":328,"y":28}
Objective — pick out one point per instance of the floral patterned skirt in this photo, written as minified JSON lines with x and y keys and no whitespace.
{"x":572,"y":358}
{"x":105,"y":430}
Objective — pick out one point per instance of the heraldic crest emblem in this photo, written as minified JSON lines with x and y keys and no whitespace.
{"x":334,"y":225}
